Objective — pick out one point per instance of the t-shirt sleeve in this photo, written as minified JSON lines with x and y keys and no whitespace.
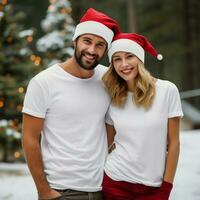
{"x":36,"y":99}
{"x":108,"y":118}
{"x":102,"y":70}
{"x":175,"y":108}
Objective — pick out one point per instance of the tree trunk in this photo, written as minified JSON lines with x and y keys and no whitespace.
{"x":188,"y":67}
{"x":131,"y":16}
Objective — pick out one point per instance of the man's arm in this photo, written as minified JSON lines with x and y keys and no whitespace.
{"x":31,"y":129}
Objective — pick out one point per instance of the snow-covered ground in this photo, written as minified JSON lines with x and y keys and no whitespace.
{"x":187,"y":180}
{"x":17,"y":184}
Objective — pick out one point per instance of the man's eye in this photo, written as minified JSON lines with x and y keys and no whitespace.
{"x":86,"y":41}
{"x":100,"y":45}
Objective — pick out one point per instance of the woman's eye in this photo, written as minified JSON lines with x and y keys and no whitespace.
{"x":116,"y":59}
{"x":130,"y":56}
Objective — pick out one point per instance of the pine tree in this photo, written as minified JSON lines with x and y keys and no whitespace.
{"x":15,"y":64}
{"x":16,"y":68}
{"x":56,"y":44}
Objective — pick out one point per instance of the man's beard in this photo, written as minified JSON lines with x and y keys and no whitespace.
{"x":87,"y":66}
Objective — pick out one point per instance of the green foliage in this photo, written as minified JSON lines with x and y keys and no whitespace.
{"x":15,"y":64}
{"x":173,"y":29}
{"x":10,"y":144}
{"x":56,"y":44}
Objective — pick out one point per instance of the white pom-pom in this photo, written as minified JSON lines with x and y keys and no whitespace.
{"x":159,"y":56}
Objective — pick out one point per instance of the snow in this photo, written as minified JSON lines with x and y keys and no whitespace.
{"x":187,"y":180}
{"x":25,"y":33}
{"x":3,"y":123}
{"x":58,"y":27}
{"x":53,"y":40}
{"x":25,"y":51}
{"x":1,"y":14}
{"x":17,"y":184}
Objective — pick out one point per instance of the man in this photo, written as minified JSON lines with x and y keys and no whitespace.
{"x":65,"y":107}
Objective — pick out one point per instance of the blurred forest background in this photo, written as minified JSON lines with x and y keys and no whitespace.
{"x":36,"y":33}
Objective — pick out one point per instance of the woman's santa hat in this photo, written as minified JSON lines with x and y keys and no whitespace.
{"x":133,"y":43}
{"x":95,"y":22}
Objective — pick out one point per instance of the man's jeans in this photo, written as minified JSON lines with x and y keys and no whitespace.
{"x":78,"y":195}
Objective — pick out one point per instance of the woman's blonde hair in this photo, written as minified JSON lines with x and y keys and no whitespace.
{"x":144,"y":87}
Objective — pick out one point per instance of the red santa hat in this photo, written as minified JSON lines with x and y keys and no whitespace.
{"x":133,"y":43}
{"x":95,"y":22}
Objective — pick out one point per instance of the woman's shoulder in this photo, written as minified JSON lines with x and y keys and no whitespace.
{"x":166,"y":84}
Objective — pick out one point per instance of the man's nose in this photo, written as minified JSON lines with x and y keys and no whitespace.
{"x":92,"y":49}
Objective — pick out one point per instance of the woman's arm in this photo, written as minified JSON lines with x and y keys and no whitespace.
{"x":173,"y":149}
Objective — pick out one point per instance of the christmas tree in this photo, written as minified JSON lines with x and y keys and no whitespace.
{"x":10,"y":141}
{"x":15,"y":65}
{"x":56,"y":44}
{"x":16,"y":68}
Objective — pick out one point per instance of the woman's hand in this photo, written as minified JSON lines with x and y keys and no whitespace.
{"x":164,"y":191}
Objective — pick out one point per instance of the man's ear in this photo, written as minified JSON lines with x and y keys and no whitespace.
{"x":74,"y":43}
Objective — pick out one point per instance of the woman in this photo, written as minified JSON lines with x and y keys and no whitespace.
{"x":143,"y":119}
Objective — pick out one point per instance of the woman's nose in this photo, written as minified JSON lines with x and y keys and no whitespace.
{"x":124,"y":63}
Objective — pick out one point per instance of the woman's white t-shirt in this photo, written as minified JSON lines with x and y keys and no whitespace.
{"x":141,"y":137}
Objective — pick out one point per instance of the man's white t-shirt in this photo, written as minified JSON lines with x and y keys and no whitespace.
{"x":73,"y":143}
{"x":141,"y":137}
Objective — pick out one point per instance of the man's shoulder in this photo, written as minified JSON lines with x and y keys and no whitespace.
{"x":46,"y":73}
{"x":100,"y":66}
{"x":101,"y":69}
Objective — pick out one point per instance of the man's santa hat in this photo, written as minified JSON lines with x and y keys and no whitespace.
{"x":95,"y":22}
{"x":133,"y":43}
